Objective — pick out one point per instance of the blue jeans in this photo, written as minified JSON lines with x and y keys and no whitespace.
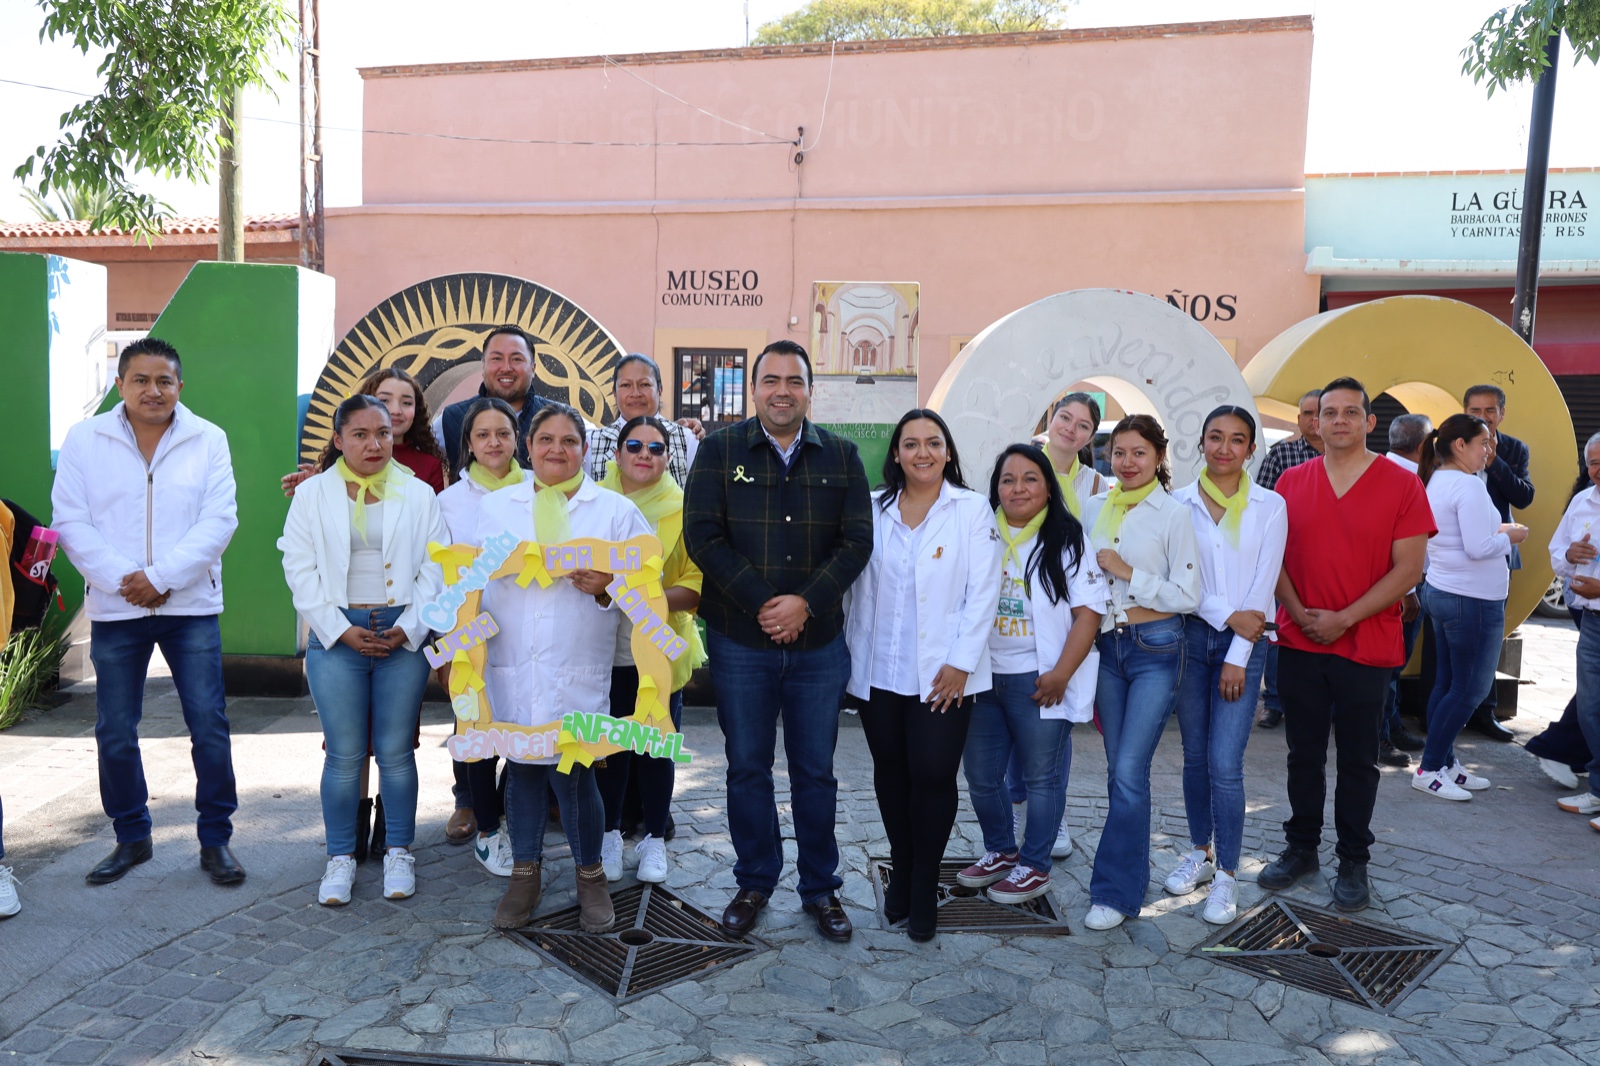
{"x":1269,"y":677}
{"x":1215,"y":732}
{"x":1016,"y":783}
{"x":1141,"y":667}
{"x":192,"y":648}
{"x":1466,"y":634}
{"x":1005,"y":721}
{"x":755,"y":686}
{"x":528,"y":788}
{"x":1589,"y":693}
{"x":1391,"y":711}
{"x":365,"y":702}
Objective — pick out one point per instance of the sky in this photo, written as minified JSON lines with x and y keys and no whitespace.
{"x":1387,"y":91}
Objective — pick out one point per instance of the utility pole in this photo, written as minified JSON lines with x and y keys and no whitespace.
{"x":230,"y":185}
{"x":311,"y":256}
{"x":747,"y":23}
{"x":1533,"y":195}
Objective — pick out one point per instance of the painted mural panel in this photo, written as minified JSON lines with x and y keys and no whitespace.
{"x":865,"y":327}
{"x":76,"y":296}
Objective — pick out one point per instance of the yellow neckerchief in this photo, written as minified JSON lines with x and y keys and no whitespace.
{"x":485,"y":477}
{"x":1068,"y":489}
{"x":380,"y":484}
{"x":662,"y":504}
{"x":1232,"y":506}
{"x":551,"y":523}
{"x":1020,"y":537}
{"x":1118,"y":503}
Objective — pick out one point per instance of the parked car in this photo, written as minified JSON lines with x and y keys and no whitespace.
{"x":1553,"y":604}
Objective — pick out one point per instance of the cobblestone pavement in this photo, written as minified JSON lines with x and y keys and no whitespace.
{"x":165,"y":968}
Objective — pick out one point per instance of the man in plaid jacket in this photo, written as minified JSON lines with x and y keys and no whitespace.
{"x":777,"y":516}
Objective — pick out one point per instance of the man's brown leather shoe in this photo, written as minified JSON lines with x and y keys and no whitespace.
{"x":740,"y":916}
{"x":462,"y":826}
{"x":832,"y":922}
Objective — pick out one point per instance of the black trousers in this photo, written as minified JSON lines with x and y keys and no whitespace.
{"x":1324,"y":693}
{"x":916,"y":752}
{"x":488,"y":796}
{"x":654,"y":778}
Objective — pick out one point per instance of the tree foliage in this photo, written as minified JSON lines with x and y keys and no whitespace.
{"x":70,"y":203}
{"x":1510,"y":46}
{"x":877,"y":20}
{"x":170,"y":69}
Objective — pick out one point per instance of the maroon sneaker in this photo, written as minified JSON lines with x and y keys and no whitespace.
{"x":1023,"y":884}
{"x":986,"y":871}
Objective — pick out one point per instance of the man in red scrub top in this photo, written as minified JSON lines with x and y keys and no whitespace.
{"x":1358,"y":533}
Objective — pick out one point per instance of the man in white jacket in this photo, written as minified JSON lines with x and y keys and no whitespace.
{"x":144,"y":503}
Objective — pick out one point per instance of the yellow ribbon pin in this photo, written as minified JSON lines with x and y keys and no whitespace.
{"x":533,"y":567}
{"x":647,"y":706}
{"x":463,"y":675}
{"x":452,"y":558}
{"x":571,"y":748}
{"x":738,"y":475}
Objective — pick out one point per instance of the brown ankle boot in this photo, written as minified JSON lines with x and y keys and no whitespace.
{"x":521,"y":898}
{"x":594,"y":901}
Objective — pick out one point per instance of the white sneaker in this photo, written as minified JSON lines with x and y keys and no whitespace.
{"x":611,"y":855}
{"x":1594,"y":823}
{"x":1559,"y":772}
{"x":9,"y":903}
{"x":1101,"y":917}
{"x":652,"y":855}
{"x":1063,"y":845}
{"x":1195,"y":870}
{"x":399,"y":877}
{"x":1222,"y":905}
{"x":1584,"y":803}
{"x":494,"y":852}
{"x":336,"y":881}
{"x":1465,"y":778}
{"x":1438,"y":783}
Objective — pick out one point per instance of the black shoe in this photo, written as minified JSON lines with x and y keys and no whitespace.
{"x":671,"y":831}
{"x":123,"y":858}
{"x":832,"y":921}
{"x":1288,"y":868}
{"x":1407,"y":741}
{"x":739,"y":917}
{"x":221,"y":865}
{"x":896,"y":897}
{"x":1390,"y":757}
{"x":1269,"y":718}
{"x":1485,"y":723}
{"x":1351,"y":892}
{"x":380,"y":829}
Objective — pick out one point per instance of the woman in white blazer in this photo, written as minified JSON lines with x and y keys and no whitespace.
{"x":1240,"y":529}
{"x":918,"y":630}
{"x":489,"y":443}
{"x":355,"y":553}
{"x":1041,"y":652}
{"x":553,"y":655}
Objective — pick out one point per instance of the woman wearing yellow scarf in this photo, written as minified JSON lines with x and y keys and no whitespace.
{"x":355,"y":554}
{"x":1240,"y":530}
{"x":1074,"y":420}
{"x":489,"y":442}
{"x":553,"y":655}
{"x":1144,"y":542}
{"x":639,"y":472}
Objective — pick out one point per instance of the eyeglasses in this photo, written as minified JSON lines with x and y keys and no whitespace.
{"x":634,"y":447}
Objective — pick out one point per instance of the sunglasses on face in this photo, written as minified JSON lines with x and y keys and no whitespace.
{"x":634,"y":447}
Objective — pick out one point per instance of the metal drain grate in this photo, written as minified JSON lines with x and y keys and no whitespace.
{"x":969,"y":910}
{"x":345,"y":1056}
{"x":659,"y":940}
{"x":1373,"y":966}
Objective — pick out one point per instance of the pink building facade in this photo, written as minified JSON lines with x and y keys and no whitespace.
{"x":880,"y":202}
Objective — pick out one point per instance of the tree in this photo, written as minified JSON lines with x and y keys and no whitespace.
{"x":71,"y":203}
{"x":1511,"y":45}
{"x":877,"y":20}
{"x":172,"y":72}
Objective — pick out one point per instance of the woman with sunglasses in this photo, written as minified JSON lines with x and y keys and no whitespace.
{"x":639,"y":472}
{"x":489,"y":442}
{"x":1240,"y":531}
{"x":553,"y":656}
{"x":918,"y":630}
